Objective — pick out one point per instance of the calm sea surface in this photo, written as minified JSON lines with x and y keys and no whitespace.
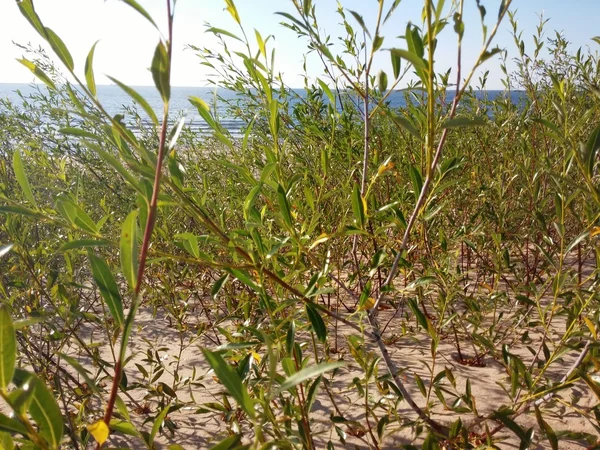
{"x":115,"y":100}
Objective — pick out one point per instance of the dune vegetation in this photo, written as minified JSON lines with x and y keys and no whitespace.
{"x":344,"y":274}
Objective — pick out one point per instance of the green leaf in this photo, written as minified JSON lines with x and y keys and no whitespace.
{"x":135,"y":5}
{"x":8,"y":348}
{"x":396,"y":64}
{"x":22,"y":177}
{"x":214,"y":292}
{"x":72,"y":131}
{"x":84,"y":243}
{"x":232,"y":382}
{"x":488,"y":54}
{"x":327,"y":91}
{"x":129,"y":249}
{"x":137,"y":98}
{"x":360,"y":21}
{"x":402,"y":122}
{"x":81,"y":371}
{"x":157,"y":424}
{"x":358,"y":207}
{"x":308,"y":373}
{"x":284,"y":206}
{"x":59,"y":48}
{"x":161,"y":69}
{"x":43,"y":408}
{"x":218,"y":31}
{"x":20,"y":210}
{"x":228,"y":443}
{"x":464,"y":122}
{"x":89,"y":70}
{"x":316,"y":322}
{"x":550,"y":434}
{"x":414,"y":59}
{"x":38,"y":73}
{"x":108,"y":287}
{"x":6,"y":441}
{"x":125,"y":427}
{"x":11,"y":425}
{"x":418,"y":313}
{"x":27,"y":9}
{"x":382,"y":81}
{"x":75,"y":215}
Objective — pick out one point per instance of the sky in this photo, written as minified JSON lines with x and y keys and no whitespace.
{"x":127,"y":40}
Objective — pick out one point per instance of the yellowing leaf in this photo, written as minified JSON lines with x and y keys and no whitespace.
{"x":256,"y":356}
{"x":389,"y":165}
{"x":368,"y":304}
{"x":323,"y":237}
{"x":595,"y":231}
{"x":99,"y":430}
{"x":591,"y":327}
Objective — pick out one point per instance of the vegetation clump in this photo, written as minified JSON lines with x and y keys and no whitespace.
{"x":343,"y":274}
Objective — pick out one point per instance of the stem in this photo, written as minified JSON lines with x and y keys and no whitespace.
{"x":147,"y":235}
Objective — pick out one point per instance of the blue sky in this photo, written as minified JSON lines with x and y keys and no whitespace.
{"x":127,"y":41}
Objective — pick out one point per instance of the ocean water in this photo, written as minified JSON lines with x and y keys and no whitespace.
{"x":115,"y":100}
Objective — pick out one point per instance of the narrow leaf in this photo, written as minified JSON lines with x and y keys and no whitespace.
{"x":22,"y":177}
{"x":129,"y":249}
{"x":8,"y":348}
{"x":108,"y":287}
{"x":232,"y":382}
{"x":308,"y":373}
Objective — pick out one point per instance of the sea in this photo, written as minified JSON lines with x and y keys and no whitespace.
{"x":115,"y":101}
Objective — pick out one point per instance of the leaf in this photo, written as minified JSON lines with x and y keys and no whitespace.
{"x":22,"y":177}
{"x":214,"y":292}
{"x":418,"y":313}
{"x":316,"y":322}
{"x":358,"y":206}
{"x":233,"y":10}
{"x":402,"y":122}
{"x":100,"y":431}
{"x":414,"y":59}
{"x":488,"y":54}
{"x":72,"y":131}
{"x":108,"y":287}
{"x":464,"y":122}
{"x":218,"y":31}
{"x":161,"y":71}
{"x":81,"y":371}
{"x":228,"y":443}
{"x":43,"y":408}
{"x":360,"y":21}
{"x":27,"y":9}
{"x":232,"y":382}
{"x":327,"y":91}
{"x":75,"y":215}
{"x":382,"y":81}
{"x":8,"y":348}
{"x":83,"y":243}
{"x":157,"y":424}
{"x":5,"y":249}
{"x":59,"y":48}
{"x":550,"y":434}
{"x":11,"y":425}
{"x":129,"y":249}
{"x":89,"y":70}
{"x":308,"y":373}
{"x":396,"y":64}
{"x":137,"y":98}
{"x":135,"y":5}
{"x":284,"y":206}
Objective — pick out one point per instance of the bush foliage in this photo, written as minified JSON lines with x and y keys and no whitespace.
{"x":308,"y":258}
